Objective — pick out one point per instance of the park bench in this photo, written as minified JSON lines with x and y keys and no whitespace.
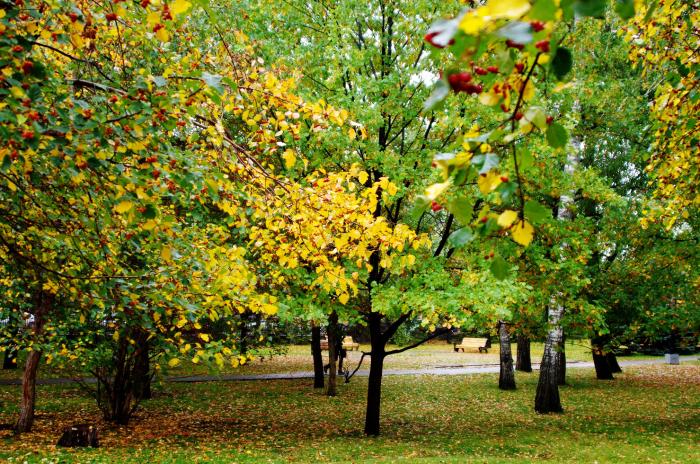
{"x":350,"y":344}
{"x":324,"y":344}
{"x":472,"y":343}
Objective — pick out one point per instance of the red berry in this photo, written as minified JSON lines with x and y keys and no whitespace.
{"x":111,"y":16}
{"x":520,"y":67}
{"x":155,"y":174}
{"x":28,"y":135}
{"x":173,"y":163}
{"x":435,"y":206}
{"x":493,"y":69}
{"x":431,"y":35}
{"x":504,"y":108}
{"x":73,"y":17}
{"x":33,"y":115}
{"x":480,"y":71}
{"x":17,"y":49}
{"x":459,"y":81}
{"x":518,"y":116}
{"x":511,"y":44}
{"x":537,"y":26}
{"x":504,"y":178}
{"x":484,"y":219}
{"x":550,"y":119}
{"x":543,"y":45}
{"x":145,"y":3}
{"x":27,"y":67}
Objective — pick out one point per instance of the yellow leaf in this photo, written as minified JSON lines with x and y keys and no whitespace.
{"x":173,"y":362}
{"x":362,"y":177}
{"x":156,"y":317}
{"x":436,"y":190}
{"x":166,"y":253}
{"x":343,"y":298}
{"x":507,"y":8}
{"x":507,"y":218}
{"x":204,"y":337}
{"x":289,"y":159}
{"x":471,"y":23}
{"x":522,"y":232}
{"x":149,"y":225}
{"x":352,"y":134}
{"x":180,"y":6}
{"x":163,"y":35}
{"x":489,"y":181}
{"x":123,"y":207}
{"x":195,"y":360}
{"x":489,"y":98}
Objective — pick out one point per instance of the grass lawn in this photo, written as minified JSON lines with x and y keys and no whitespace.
{"x":298,"y":358}
{"x":648,"y":414}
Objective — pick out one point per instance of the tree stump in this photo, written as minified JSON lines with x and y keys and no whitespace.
{"x":81,"y":435}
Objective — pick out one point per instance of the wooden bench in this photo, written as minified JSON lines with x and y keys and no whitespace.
{"x":472,"y":343}
{"x":324,"y":344}
{"x":350,"y":344}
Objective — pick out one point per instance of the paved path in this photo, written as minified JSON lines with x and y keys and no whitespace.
{"x":438,"y":370}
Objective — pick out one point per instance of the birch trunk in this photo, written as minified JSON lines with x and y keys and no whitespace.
{"x":547,"y":396}
{"x":506,"y":379}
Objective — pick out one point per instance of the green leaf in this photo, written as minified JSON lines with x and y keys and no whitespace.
{"x":213,"y":81}
{"x":535,"y":212}
{"x":536,"y":116}
{"x":460,"y":237}
{"x":499,"y":268}
{"x":544,"y":10}
{"x":440,"y":92}
{"x":624,"y":8}
{"x":594,"y":8}
{"x":462,"y":209}
{"x":562,"y":62}
{"x":419,"y":206}
{"x":525,"y":159}
{"x":557,"y":136}
{"x":159,"y":81}
{"x":150,"y":212}
{"x":484,"y":163}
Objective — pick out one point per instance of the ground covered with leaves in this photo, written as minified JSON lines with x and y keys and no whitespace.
{"x":648,"y":414}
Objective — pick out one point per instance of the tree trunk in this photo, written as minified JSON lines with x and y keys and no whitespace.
{"x":332,"y":388}
{"x":374,"y":386}
{"x":612,"y":362}
{"x":142,"y":369}
{"x":547,"y":397}
{"x":561,"y":371}
{"x":600,"y":360}
{"x":10,"y":361}
{"x":506,"y":380}
{"x":26,"y":409}
{"x":317,"y":355}
{"x":523,"y":362}
{"x":42,"y":306}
